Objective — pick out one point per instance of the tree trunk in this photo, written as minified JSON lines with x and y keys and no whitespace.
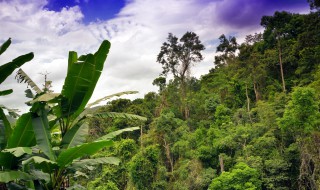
{"x":141,"y":133}
{"x":163,"y":104}
{"x":221,"y":163}
{"x":168,"y":155}
{"x":256,"y":91}
{"x":248,"y":103}
{"x":184,"y":106}
{"x":186,"y":112}
{"x":281,"y":67}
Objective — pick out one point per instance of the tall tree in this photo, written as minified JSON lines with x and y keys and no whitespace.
{"x":301,"y":120}
{"x":250,"y":56}
{"x":314,"y":4}
{"x":227,"y":47}
{"x":279,"y":28}
{"x":177,"y":57}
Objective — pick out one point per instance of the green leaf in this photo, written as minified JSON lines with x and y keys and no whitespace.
{"x":41,"y":163}
{"x":73,"y":58}
{"x":68,"y":156}
{"x":111,"y":96}
{"x":87,"y":112}
{"x":12,"y":112}
{"x":8,"y":68}
{"x":82,"y":164}
{"x":47,"y":97}
{"x":76,"y":86}
{"x":80,"y":174}
{"x":7,"y":160}
{"x":18,"y":151}
{"x":116,"y":133}
{"x":16,"y":186}
{"x":43,"y":137}
{"x":8,"y":176}
{"x":76,"y":135}
{"x":81,"y":80}
{"x":6,"y":92}
{"x":118,"y":115}
{"x":5,"y":129}
{"x":5,"y":46}
{"x":29,"y":93}
{"x":37,"y":174}
{"x":3,"y":141}
{"x":23,"y":77}
{"x":22,"y":134}
{"x":100,"y":57}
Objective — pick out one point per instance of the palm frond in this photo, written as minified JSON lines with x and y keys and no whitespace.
{"x":111,"y":96}
{"x":118,"y":115}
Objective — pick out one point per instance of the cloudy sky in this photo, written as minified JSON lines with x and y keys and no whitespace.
{"x":136,"y":29}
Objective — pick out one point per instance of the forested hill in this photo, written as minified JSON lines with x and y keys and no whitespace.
{"x":252,"y":122}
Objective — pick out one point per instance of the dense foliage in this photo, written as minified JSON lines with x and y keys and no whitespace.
{"x":253,"y":120}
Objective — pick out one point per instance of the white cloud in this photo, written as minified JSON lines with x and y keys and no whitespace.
{"x":136,"y":34}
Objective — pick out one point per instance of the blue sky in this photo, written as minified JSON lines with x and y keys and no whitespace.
{"x":93,"y":10}
{"x":239,"y":12}
{"x":136,"y":29}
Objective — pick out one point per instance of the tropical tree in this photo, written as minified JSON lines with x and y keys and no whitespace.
{"x":241,"y":177}
{"x":314,"y":4}
{"x":301,"y":120}
{"x":280,"y":30}
{"x":47,"y":143}
{"x":6,"y":70}
{"x":178,"y":58}
{"x":228,"y":49}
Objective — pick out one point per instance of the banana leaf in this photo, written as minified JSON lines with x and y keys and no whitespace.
{"x":7,"y":176}
{"x":29,"y":93}
{"x":22,"y":134}
{"x":111,"y":96}
{"x":41,"y":163}
{"x":116,"y":133}
{"x":6,"y":92}
{"x":69,"y":155}
{"x":38,"y":174}
{"x":82,"y":164}
{"x":18,"y":151}
{"x":82,"y":77}
{"x":12,"y":112}
{"x":47,"y":97}
{"x":3,"y":141}
{"x":5,"y":46}
{"x":76,"y":135}
{"x":43,"y":137}
{"x":118,"y":115}
{"x":5,"y":129}
{"x":8,"y":68}
{"x":21,"y":76}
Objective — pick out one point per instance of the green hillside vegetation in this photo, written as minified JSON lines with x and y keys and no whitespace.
{"x":247,"y":124}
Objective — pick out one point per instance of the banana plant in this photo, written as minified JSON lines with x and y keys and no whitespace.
{"x":48,"y":163}
{"x":6,"y":70}
{"x":5,"y":126}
